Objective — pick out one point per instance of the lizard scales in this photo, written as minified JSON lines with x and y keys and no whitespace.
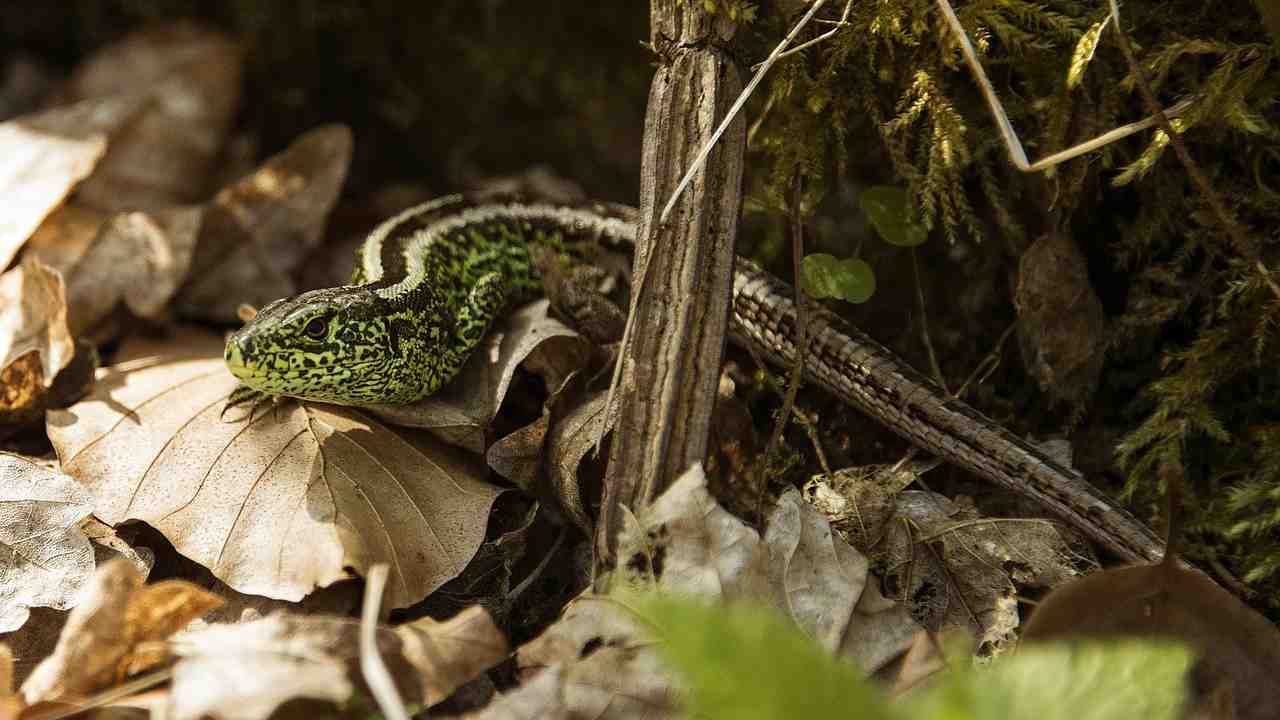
{"x":429,"y":282}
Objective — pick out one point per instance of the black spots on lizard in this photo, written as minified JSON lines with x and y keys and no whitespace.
{"x":429,"y":284}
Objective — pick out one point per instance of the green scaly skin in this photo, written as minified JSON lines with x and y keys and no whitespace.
{"x":428,"y":284}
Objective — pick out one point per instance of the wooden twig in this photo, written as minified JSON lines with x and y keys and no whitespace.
{"x":376,"y":676}
{"x":797,"y":370}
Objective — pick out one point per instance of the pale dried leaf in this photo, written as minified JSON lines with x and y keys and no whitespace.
{"x":279,"y":503}
{"x":959,"y":569}
{"x":880,"y":630}
{"x":46,"y":560}
{"x":801,"y":567}
{"x":449,"y":653}
{"x":37,"y":170}
{"x":245,"y":671}
{"x":258,"y":230}
{"x":704,"y":550}
{"x":33,"y":317}
{"x":114,"y":632}
{"x":108,"y":546}
{"x":610,"y":683}
{"x":190,"y":80}
{"x":588,"y":621}
{"x":821,"y":577}
{"x":541,"y":698}
{"x":137,"y":259}
{"x":462,"y":411}
{"x":859,"y":500}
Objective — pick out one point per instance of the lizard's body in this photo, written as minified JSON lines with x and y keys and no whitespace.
{"x":430,"y":281}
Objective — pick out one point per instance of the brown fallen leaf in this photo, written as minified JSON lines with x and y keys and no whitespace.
{"x":33,"y":317}
{"x":1062,"y":329}
{"x":115,"y":632}
{"x":258,"y":230}
{"x":38,"y":168}
{"x":136,"y":259}
{"x":245,"y":671}
{"x":1239,"y":649}
{"x":189,"y":79}
{"x":66,"y":235}
{"x":462,"y":412}
{"x":960,"y":569}
{"x":277,"y":503}
{"x":47,"y":561}
{"x":569,"y":441}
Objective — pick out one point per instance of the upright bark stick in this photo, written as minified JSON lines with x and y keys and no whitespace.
{"x":684,"y":270}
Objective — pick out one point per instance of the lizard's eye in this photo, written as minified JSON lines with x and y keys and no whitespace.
{"x":317,"y":328}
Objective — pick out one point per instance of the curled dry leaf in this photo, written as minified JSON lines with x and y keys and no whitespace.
{"x":569,"y":441}
{"x":275,"y":503}
{"x":461,"y":412}
{"x":46,"y":560}
{"x":245,"y":671}
{"x":35,"y":343}
{"x":258,"y":230}
{"x":115,"y":632}
{"x":38,"y":168}
{"x":189,"y":80}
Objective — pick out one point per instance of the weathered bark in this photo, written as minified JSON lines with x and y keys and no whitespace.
{"x":684,"y":270}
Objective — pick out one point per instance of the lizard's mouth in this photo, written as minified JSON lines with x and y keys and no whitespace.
{"x":233,"y":356}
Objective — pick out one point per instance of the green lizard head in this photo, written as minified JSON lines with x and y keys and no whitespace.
{"x":335,"y":345}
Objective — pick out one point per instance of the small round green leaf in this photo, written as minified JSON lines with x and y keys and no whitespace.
{"x":827,"y":276}
{"x":889,"y":209}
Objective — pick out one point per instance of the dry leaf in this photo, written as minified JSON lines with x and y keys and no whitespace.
{"x":820,"y":575}
{"x":245,"y":671}
{"x":189,"y":79}
{"x":518,"y":456}
{"x":33,"y":317}
{"x":568,"y":442}
{"x":257,"y":231}
{"x":859,"y":501}
{"x":960,"y":569}
{"x":703,"y":549}
{"x":46,"y":561}
{"x":276,"y":504}
{"x":66,"y":235}
{"x":462,"y":411}
{"x":609,"y":682}
{"x":137,"y":259}
{"x":115,"y":632}
{"x":1239,"y":649}
{"x":1061,"y":323}
{"x":588,"y":622}
{"x":38,"y":168}
{"x":541,"y":698}
{"x":34,"y":641}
